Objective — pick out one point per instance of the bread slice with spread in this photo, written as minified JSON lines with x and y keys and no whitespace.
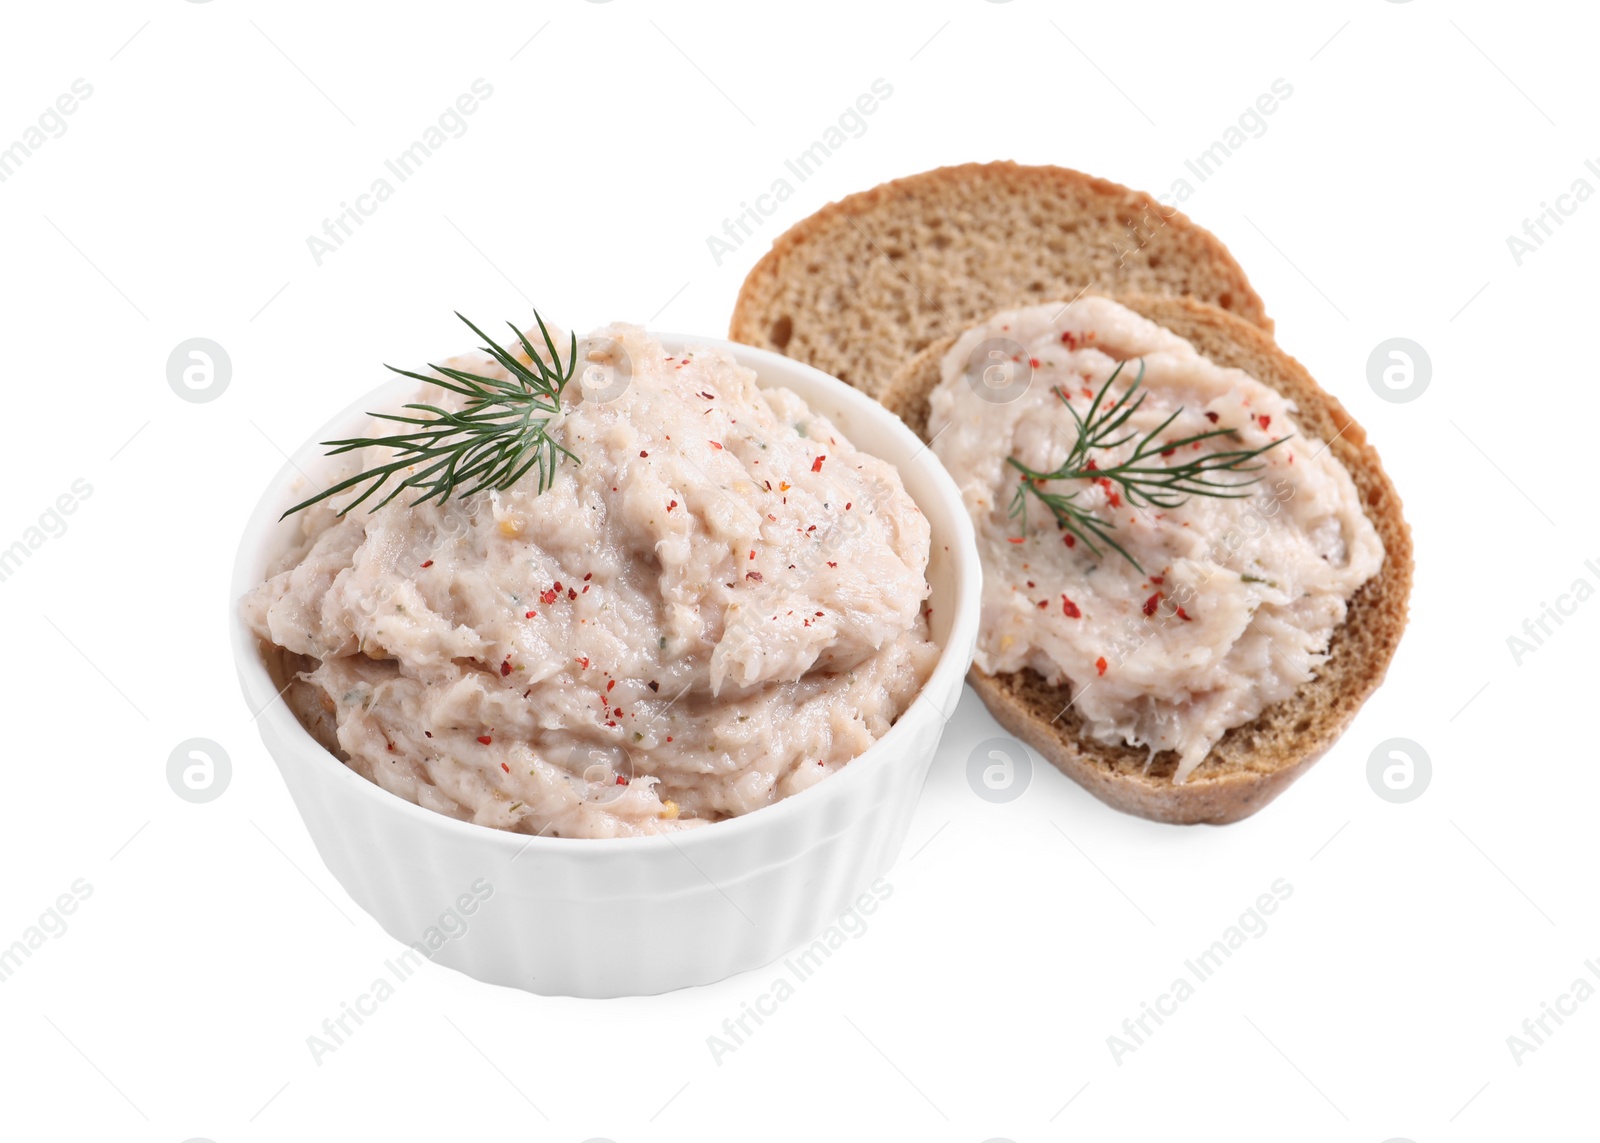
{"x":1184,"y":651}
{"x":865,"y":283}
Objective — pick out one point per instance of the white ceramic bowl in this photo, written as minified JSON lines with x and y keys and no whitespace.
{"x":628,"y":916}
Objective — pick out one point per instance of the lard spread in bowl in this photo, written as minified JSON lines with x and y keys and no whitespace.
{"x":627,"y":915}
{"x":716,"y":602}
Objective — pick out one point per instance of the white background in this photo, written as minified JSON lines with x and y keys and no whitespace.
{"x":1018,"y":937}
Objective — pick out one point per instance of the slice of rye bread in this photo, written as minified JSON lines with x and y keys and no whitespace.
{"x":858,"y":288}
{"x":1254,"y":763}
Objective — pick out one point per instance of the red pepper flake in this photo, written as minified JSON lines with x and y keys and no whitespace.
{"x":752,"y":553}
{"x":707,"y":396}
{"x":1263,"y":420}
{"x":642,"y":453}
{"x":427,"y":563}
{"x":653,"y":685}
{"x":783,"y":486}
{"x":1034,"y":362}
{"x":390,"y":746}
{"x":831,"y":564}
{"x":1168,"y":451}
{"x":813,"y":528}
{"x":531,"y":615}
{"x":505,"y":668}
{"x":587,"y":576}
{"x":557,"y":585}
{"x":427,"y":734}
{"x":1152,"y":603}
{"x":584,"y":662}
{"x":547,"y":597}
{"x":618,"y":712}
{"x":1069,"y":339}
{"x":1100,"y":664}
{"x":1014,"y":539}
{"x":1043,"y":603}
{"x":816,"y":465}
{"x":1030,"y":583}
{"x":611,"y":684}
{"x":771,"y":517}
{"x":669,"y":738}
{"x":585,"y":589}
{"x":485,"y":739}
{"x":1185,"y":616}
{"x":1212,"y":417}
{"x":621,"y":781}
{"x":1157,"y":580}
{"x":506,"y":768}
{"x":571,"y":594}
{"x":1070,"y":540}
{"x":753,"y":576}
{"x":1070,"y":609}
{"x":716,"y":445}
{"x":671,"y":504}
{"x":846,"y":508}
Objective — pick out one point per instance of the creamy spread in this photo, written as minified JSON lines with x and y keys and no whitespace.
{"x":717,"y":605}
{"x":1237,"y":599}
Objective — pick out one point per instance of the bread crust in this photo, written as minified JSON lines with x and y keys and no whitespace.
{"x":1254,"y":763}
{"x":860,"y":286}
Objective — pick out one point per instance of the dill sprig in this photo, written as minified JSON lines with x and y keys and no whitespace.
{"x":1145,"y":480}
{"x":497,"y":437}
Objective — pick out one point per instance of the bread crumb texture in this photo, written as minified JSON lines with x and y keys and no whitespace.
{"x":863,"y":285}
